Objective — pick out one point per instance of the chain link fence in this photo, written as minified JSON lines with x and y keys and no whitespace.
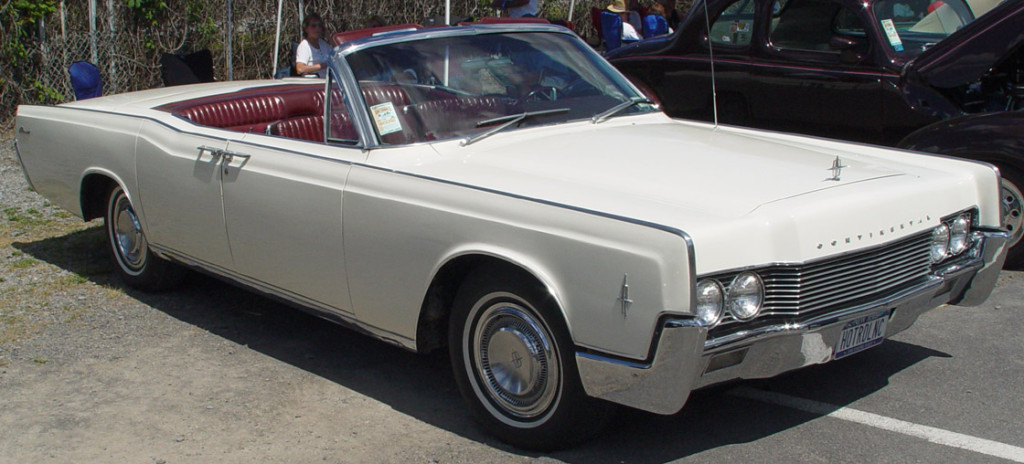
{"x":127,"y":47}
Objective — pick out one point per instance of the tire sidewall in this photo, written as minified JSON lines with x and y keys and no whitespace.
{"x":572,"y":417}
{"x":126,"y":271}
{"x":155,"y":274}
{"x":1013,"y":176}
{"x":469,"y":366}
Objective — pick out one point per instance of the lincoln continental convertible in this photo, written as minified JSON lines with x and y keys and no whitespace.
{"x":504,"y":193}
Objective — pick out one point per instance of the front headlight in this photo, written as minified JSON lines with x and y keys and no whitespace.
{"x":709,"y":302}
{"x":958,"y":231}
{"x":745,"y":297}
{"x":940,"y":243}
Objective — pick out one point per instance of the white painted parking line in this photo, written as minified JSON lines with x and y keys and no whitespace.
{"x":932,"y":434}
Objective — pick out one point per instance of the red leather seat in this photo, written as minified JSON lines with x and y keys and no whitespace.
{"x":301,"y":127}
{"x":248,"y":114}
{"x":312,"y":128}
{"x":453,"y":116}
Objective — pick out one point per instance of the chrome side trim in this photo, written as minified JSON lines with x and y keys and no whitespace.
{"x":314,"y":307}
{"x":21,"y":164}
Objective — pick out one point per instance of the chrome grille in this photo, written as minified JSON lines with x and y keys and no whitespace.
{"x":835,"y":283}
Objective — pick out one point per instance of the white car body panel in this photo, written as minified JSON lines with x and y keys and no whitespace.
{"x":618,"y":220}
{"x":596,"y":170}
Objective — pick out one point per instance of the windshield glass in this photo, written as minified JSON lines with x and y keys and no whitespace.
{"x":456,"y":86}
{"x":911,"y":26}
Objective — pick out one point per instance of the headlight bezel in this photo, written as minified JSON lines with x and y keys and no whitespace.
{"x":959,"y":235}
{"x":939,"y":249}
{"x":718,"y":312}
{"x":733,"y":296}
{"x":960,"y":240}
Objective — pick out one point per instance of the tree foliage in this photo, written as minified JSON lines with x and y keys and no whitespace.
{"x":41,"y":38}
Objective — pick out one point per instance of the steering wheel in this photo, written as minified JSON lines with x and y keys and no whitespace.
{"x":539,"y":94}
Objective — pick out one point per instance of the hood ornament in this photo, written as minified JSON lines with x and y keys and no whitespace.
{"x":837,"y":169}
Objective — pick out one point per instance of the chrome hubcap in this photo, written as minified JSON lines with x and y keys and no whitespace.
{"x":515,"y":361}
{"x":129,"y":242}
{"x":1011,"y":204}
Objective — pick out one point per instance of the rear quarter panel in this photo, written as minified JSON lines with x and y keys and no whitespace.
{"x":59,"y":146}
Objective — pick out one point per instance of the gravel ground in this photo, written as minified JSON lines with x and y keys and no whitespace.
{"x":93,"y":372}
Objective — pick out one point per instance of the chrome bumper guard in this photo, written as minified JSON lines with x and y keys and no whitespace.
{"x":684,"y":358}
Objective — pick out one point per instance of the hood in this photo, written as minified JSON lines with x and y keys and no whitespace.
{"x":969,"y":53}
{"x":651,"y":171}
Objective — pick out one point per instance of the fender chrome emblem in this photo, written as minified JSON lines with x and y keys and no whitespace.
{"x":837,"y":169}
{"x":624,"y":301}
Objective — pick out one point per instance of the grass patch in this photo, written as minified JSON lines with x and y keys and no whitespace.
{"x":74,"y":279}
{"x":24,"y":263}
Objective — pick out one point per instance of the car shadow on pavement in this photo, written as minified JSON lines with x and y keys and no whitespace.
{"x":422,"y":387}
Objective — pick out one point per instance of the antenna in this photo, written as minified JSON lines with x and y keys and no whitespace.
{"x":711,"y":55}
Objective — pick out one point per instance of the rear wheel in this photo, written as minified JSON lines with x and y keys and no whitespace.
{"x":136,"y":264}
{"x":515,"y":366}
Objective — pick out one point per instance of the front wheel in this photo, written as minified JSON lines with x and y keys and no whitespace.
{"x":514,"y":364}
{"x":136,"y":264}
{"x":1011,"y":209}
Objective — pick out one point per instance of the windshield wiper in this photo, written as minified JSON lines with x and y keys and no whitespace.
{"x":507,"y":121}
{"x":601,"y":117}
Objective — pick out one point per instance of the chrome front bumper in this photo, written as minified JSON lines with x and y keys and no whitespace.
{"x":684,"y":359}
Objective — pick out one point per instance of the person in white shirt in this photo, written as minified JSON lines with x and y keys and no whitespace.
{"x":312,"y":54}
{"x":629,"y":33}
{"x":518,"y":8}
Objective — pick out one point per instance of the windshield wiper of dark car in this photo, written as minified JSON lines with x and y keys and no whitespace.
{"x":601,"y":117}
{"x":507,"y":121}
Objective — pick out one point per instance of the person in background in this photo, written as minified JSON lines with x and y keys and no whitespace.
{"x":312,"y":54}
{"x":633,"y":14}
{"x":629,"y":32}
{"x":518,"y":8}
{"x":657,"y":8}
{"x":671,"y":14}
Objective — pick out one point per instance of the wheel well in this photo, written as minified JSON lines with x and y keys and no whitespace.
{"x":93,"y":196}
{"x":432,"y":327}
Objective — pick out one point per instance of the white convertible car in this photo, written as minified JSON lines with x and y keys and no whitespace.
{"x":505,"y":193}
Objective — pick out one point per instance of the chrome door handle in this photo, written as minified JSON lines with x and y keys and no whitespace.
{"x":214,"y":152}
{"x":228,"y":155}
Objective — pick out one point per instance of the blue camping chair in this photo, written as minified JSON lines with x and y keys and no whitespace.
{"x":85,"y":80}
{"x":611,"y":29}
{"x":655,"y":25}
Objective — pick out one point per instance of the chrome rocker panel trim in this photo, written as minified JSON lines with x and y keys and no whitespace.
{"x":684,"y":359}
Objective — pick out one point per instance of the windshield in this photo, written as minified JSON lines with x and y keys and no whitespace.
{"x":911,"y":26}
{"x":455,"y":86}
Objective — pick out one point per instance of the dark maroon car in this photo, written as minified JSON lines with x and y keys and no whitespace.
{"x":873,"y":71}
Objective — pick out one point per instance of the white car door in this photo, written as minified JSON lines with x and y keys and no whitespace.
{"x":179,"y":188}
{"x":282,"y":205}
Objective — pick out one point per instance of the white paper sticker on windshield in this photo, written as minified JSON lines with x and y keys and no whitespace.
{"x":386,"y":118}
{"x":894,"y":37}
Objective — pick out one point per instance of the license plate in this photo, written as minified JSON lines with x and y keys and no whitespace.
{"x":861,"y":334}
